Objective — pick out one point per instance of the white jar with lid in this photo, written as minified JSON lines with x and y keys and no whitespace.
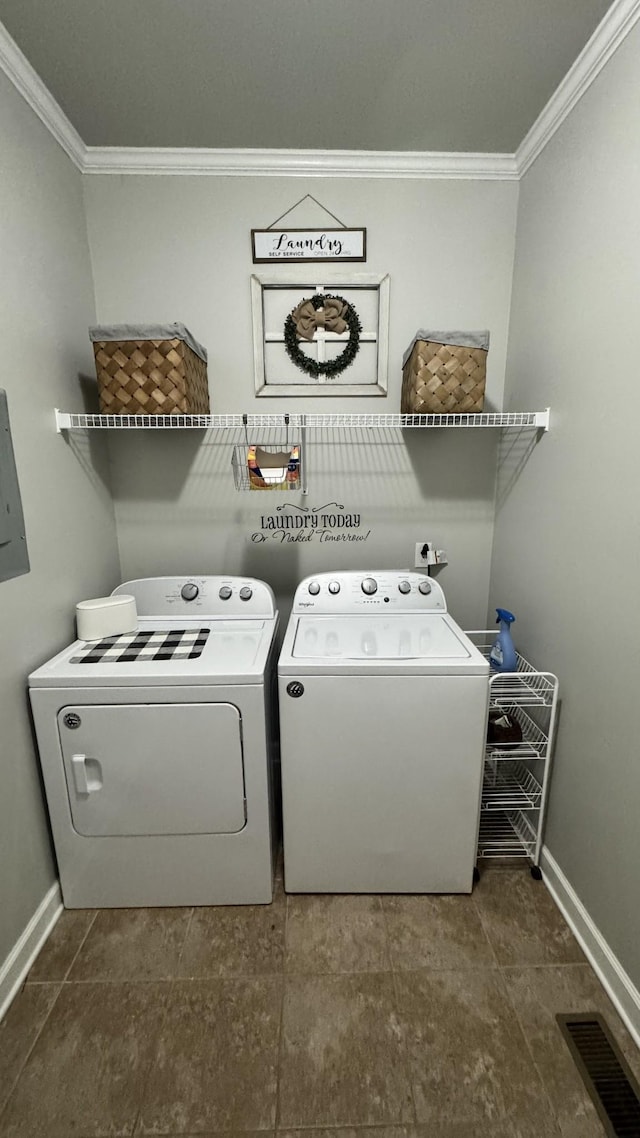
{"x":106,"y":616}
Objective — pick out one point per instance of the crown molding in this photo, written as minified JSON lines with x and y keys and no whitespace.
{"x":610,"y":33}
{"x":17,"y":68}
{"x":299,"y":163}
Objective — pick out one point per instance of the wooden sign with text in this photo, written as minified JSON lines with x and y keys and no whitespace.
{"x":291,"y":245}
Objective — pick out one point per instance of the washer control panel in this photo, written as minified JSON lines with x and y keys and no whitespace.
{"x":201,"y":597}
{"x":352,"y":592}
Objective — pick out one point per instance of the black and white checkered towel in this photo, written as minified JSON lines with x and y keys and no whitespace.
{"x":173,"y":644}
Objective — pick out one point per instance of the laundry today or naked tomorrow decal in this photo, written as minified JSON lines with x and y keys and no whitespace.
{"x":328,"y":523}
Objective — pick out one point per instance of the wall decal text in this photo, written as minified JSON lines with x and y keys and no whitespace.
{"x":327,"y":523}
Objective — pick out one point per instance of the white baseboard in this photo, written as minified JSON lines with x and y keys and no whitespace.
{"x":17,"y":964}
{"x":619,"y":987}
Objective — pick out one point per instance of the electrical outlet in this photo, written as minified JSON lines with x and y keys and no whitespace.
{"x":425,"y":555}
{"x":420,"y":557}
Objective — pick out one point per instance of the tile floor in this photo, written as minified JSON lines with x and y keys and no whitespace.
{"x":417,"y":1017}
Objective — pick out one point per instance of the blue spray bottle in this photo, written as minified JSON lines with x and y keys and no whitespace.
{"x":503,"y":656}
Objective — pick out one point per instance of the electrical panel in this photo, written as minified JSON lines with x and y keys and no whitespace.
{"x":14,"y":558}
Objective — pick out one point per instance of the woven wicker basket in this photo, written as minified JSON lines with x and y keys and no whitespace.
{"x":443,"y":379}
{"x":149,"y":376}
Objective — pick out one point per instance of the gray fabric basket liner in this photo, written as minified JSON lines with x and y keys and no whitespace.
{"x":461,"y":339}
{"x":147,"y":332}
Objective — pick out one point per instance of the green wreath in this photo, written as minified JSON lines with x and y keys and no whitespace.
{"x":348,"y":317}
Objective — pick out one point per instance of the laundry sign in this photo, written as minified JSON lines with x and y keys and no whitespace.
{"x":327,"y":524}
{"x":292,"y":245}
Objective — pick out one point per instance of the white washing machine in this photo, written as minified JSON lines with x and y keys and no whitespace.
{"x":382,"y":719}
{"x":155,"y":749}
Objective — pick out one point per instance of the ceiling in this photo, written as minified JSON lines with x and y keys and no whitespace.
{"x":434,"y":75}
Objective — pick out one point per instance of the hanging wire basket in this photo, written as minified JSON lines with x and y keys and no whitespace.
{"x":273,"y":463}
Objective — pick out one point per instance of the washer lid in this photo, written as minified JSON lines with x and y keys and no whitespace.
{"x":373,"y":637}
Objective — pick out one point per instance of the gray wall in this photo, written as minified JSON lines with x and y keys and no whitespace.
{"x":567,"y":544}
{"x":167,"y":248}
{"x":47,"y":304}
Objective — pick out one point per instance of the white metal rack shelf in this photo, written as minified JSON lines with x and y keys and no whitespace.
{"x":534,"y":743}
{"x":516,"y":774}
{"x":66,"y":421}
{"x":506,"y":833}
{"x":509,"y":785}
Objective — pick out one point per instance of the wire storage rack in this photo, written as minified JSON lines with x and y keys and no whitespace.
{"x":303,"y":426}
{"x":283,"y":453}
{"x":517,"y":767}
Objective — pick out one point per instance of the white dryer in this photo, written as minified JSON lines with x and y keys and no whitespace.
{"x":383,"y":702}
{"x":155,"y":749}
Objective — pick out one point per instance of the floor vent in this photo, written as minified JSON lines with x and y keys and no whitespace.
{"x":605,"y":1073}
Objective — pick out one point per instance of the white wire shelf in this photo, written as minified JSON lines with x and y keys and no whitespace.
{"x":66,"y":421}
{"x":529,"y":688}
{"x":526,"y":686}
{"x":509,"y":785}
{"x":505,"y":834}
{"x":533,"y":745}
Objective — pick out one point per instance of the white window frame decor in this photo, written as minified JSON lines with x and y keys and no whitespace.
{"x":322,"y":279}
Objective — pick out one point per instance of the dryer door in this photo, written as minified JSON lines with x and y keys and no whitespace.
{"x":135,"y":769}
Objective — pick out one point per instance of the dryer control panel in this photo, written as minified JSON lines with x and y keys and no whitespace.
{"x":201,"y":597}
{"x":357,"y":592}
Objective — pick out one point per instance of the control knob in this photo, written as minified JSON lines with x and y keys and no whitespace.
{"x":246,"y":593}
{"x":189,"y":592}
{"x":314,"y":588}
{"x":404,"y":587}
{"x":334,"y":587}
{"x":369,"y":586}
{"x":225,"y":593}
{"x":425,"y":587}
